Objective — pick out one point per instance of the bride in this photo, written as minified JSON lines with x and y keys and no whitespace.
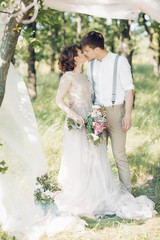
{"x":88,"y":186}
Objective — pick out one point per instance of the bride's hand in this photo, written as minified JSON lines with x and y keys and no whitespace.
{"x":78,"y":119}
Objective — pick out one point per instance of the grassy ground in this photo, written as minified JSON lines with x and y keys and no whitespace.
{"x":143,"y":150}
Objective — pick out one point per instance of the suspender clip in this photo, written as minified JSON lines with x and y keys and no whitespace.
{"x":113,"y":102}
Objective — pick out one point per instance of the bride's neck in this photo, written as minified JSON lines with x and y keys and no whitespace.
{"x":78,"y":68}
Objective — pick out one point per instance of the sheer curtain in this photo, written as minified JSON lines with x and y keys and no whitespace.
{"x":119,"y":9}
{"x":23,"y":153}
{"x":21,"y":150}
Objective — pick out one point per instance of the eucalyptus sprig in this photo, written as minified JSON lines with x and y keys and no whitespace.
{"x":3,"y":168}
{"x":72,"y":124}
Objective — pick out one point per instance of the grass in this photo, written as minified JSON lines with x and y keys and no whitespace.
{"x":143,"y":148}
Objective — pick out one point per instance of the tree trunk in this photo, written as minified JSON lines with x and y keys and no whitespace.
{"x":154,"y":60}
{"x":112,"y":45}
{"x":31,"y":65}
{"x":114,"y":31}
{"x":8,"y":45}
{"x":9,"y":41}
{"x":79,"y":27}
{"x":53,"y":50}
{"x":151,"y":45}
{"x":159,"y":52}
{"x":125,"y":38}
{"x":53,"y":56}
{"x":64,"y":28}
{"x":13,"y":60}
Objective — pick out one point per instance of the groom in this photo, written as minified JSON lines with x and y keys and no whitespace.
{"x":117,"y":97}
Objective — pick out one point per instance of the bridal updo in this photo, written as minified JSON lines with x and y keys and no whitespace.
{"x":66,"y":59}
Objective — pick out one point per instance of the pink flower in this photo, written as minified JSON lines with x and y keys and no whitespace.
{"x":98,"y":128}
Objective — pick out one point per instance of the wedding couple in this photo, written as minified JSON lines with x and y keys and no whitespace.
{"x":88,"y":186}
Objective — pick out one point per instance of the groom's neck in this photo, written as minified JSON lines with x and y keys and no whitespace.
{"x":101,"y":54}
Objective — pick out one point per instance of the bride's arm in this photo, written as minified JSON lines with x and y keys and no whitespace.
{"x":63,"y":89}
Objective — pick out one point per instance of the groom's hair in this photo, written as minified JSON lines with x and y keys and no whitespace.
{"x":93,"y":39}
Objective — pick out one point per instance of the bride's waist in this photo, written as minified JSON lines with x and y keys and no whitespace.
{"x":82,"y":105}
{"x":82,"y":110}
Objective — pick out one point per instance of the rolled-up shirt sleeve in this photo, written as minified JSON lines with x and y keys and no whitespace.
{"x":125,"y":74}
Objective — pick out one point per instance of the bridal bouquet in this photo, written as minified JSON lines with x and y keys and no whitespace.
{"x":95,"y":124}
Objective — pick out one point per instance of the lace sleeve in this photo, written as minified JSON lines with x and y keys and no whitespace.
{"x":65,"y":83}
{"x":64,"y":86}
{"x":63,"y":89}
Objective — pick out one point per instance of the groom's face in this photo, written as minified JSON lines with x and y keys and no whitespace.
{"x":89,"y":52}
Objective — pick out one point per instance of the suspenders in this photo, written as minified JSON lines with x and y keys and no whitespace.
{"x":93,"y":83}
{"x":114,"y":86}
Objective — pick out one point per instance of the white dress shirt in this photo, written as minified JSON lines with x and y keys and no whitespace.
{"x":103,"y":79}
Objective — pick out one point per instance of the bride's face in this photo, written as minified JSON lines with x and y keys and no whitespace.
{"x":80,"y":58}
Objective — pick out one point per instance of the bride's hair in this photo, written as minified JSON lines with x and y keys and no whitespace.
{"x":66,"y":59}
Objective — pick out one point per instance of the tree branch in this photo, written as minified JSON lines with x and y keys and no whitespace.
{"x":9,"y":41}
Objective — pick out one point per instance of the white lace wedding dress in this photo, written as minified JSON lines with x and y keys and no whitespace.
{"x":88,"y":185}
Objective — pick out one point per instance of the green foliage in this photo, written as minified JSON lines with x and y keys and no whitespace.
{"x":55,"y":29}
{"x":4,"y":3}
{"x":3,"y":167}
{"x":152,"y":30}
{"x":53,"y":32}
{"x":71,"y":124}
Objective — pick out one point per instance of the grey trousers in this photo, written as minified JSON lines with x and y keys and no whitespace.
{"x":118,"y":142}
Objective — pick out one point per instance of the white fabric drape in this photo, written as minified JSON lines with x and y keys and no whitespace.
{"x":100,"y":8}
{"x":23,"y":153}
{"x":21,"y":148}
{"x":118,"y":9}
{"x":150,"y":7}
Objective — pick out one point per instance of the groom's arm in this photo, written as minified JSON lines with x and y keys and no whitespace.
{"x":126,"y":121}
{"x":128,"y":87}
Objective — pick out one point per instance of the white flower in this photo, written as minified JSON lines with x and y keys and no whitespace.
{"x":43,"y":195}
{"x":38,"y":186}
{"x":51,"y":194}
{"x":96,"y":106}
{"x":95,"y":137}
{"x":48,"y":193}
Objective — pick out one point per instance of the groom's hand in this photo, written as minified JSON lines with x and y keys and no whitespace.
{"x":126,"y":122}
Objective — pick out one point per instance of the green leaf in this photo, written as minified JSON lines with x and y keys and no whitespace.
{"x":3,"y":163}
